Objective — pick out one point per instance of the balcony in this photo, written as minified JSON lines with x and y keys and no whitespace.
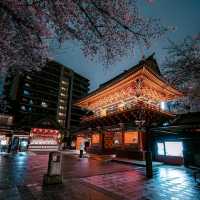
{"x":128,"y":113}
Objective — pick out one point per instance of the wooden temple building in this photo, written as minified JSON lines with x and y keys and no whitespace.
{"x":121,"y":110}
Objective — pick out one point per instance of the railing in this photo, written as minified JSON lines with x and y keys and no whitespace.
{"x":140,"y":105}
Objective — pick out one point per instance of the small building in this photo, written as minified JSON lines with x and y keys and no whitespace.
{"x":178,"y":142}
{"x":121,"y":110}
{"x":45,"y":135}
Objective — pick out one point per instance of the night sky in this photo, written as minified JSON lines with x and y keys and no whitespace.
{"x":182,"y":14}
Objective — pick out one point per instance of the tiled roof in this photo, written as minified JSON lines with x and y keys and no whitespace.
{"x":149,"y":62}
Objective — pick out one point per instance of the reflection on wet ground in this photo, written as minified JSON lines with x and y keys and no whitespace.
{"x":93,"y":179}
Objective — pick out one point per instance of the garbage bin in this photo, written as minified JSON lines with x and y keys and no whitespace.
{"x":54,"y":173}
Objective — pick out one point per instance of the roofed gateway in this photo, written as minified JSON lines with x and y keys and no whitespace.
{"x":119,"y":107}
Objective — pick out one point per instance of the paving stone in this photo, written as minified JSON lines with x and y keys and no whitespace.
{"x":21,"y":178}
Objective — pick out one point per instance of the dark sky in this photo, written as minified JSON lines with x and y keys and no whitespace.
{"x":183,"y":14}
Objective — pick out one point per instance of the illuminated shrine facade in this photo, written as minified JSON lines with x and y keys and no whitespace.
{"x":117,"y":106}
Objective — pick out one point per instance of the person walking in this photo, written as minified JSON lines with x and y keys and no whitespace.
{"x":81,"y":150}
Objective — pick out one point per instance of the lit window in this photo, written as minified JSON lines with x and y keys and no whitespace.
{"x":174,"y":149}
{"x":44,"y":104}
{"x":62,"y":101}
{"x":61,"y":114}
{"x":6,"y":120}
{"x":27,"y":84}
{"x":3,"y":142}
{"x":62,"y":94}
{"x":61,"y":107}
{"x":26,"y":92}
{"x":170,"y":149}
{"x":64,"y":82}
{"x":95,"y":138}
{"x":10,"y":119}
{"x":162,"y":105}
{"x":23,"y":108}
{"x":116,"y":141}
{"x":131,"y":137}
{"x":24,"y":143}
{"x":166,"y":124}
{"x":61,"y":121}
{"x":160,"y":147}
{"x":28,"y":77}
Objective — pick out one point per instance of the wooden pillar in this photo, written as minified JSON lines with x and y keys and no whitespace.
{"x":123,"y":138}
{"x":102,"y":139}
{"x":148,"y":155}
{"x":140,"y":141}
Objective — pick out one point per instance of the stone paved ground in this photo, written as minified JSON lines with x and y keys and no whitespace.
{"x":92,"y":179}
{"x":168,"y":183}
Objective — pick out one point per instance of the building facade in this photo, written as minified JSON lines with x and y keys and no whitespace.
{"x":124,"y":109}
{"x":80,"y":88}
{"x":41,"y":102}
{"x":6,"y":124}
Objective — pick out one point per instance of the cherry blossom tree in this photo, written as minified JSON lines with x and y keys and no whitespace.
{"x":108,"y":29}
{"x":182,"y":68}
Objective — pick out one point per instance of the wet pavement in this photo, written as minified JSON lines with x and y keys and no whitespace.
{"x":92,"y":178}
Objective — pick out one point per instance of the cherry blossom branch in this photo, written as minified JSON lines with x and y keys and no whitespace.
{"x":116,"y":20}
{"x":88,"y":17}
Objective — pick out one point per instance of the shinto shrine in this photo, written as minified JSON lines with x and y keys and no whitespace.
{"x":121,"y":109}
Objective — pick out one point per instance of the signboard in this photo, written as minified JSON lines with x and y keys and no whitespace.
{"x":39,"y":132}
{"x":41,"y":136}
